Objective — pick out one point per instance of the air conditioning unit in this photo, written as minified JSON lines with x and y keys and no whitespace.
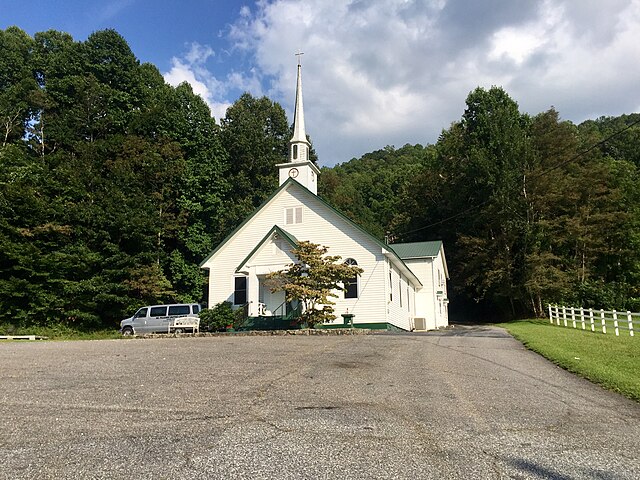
{"x":420,"y":323}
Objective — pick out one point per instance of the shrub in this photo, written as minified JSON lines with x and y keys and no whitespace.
{"x":218,"y":317}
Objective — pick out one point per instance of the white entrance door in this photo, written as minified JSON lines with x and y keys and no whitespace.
{"x":271,"y":301}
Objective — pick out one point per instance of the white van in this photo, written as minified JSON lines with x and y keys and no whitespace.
{"x":177,"y":318}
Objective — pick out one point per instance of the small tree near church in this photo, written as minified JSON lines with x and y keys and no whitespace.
{"x":312,"y":280}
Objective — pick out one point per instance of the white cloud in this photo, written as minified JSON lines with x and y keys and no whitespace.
{"x":398,"y":71}
{"x":181,"y":72}
{"x":198,"y":54}
{"x":192,"y":68}
{"x":107,"y":11}
{"x":515,"y":44}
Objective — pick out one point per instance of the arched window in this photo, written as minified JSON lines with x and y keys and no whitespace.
{"x":295,"y":152}
{"x":351,"y":285}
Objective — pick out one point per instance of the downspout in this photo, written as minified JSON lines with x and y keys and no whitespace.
{"x":434,"y":296}
{"x":386,"y":288}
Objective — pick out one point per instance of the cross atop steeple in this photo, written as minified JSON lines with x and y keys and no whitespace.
{"x":299,"y":55}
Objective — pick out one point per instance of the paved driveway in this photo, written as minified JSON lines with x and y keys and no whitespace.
{"x":468,"y":403}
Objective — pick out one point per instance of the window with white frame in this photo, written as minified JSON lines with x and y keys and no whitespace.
{"x":408,"y":298}
{"x":351,"y":284}
{"x":413,"y":301}
{"x":293,"y":215}
{"x":239,"y":290}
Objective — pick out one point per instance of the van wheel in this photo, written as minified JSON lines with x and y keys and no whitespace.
{"x":179,"y":330}
{"x":127,"y":331}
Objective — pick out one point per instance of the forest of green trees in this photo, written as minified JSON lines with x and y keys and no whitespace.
{"x":531,"y":210}
{"x":115,"y":185}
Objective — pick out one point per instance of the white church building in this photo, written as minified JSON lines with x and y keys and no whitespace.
{"x":402,"y":286}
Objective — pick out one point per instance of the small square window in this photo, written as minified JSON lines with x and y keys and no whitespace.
{"x":293,"y":215}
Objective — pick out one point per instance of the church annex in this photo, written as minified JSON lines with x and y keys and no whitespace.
{"x":403,"y":285}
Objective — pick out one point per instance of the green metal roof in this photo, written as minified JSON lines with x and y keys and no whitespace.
{"x":417,"y":249}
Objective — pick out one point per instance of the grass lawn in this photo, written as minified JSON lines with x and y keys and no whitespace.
{"x":613,"y":362}
{"x":59,"y":332}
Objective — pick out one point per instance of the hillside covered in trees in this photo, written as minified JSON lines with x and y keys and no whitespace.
{"x":115,"y":185}
{"x":531,"y":209}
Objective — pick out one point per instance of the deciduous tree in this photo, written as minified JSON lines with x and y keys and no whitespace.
{"x":313,"y":280}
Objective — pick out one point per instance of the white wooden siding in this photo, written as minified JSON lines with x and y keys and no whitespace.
{"x":440,"y":285}
{"x":428,"y":303}
{"x":274,"y":253}
{"x":424,"y":298}
{"x":398,"y":313}
{"x":320,"y":225}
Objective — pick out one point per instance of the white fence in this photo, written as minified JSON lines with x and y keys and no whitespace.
{"x":592,"y":319}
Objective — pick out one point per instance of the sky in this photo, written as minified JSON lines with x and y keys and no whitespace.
{"x":375,"y":72}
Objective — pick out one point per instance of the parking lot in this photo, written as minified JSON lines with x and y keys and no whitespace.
{"x":466,"y":403}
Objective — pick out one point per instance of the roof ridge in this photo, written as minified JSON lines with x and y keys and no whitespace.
{"x":291,"y":181}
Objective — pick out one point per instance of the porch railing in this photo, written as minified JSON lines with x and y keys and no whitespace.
{"x":280,"y":319}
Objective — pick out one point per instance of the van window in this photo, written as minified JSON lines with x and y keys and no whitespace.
{"x":158,"y":311}
{"x":196,"y":308}
{"x":141,"y":313}
{"x":179,"y":310}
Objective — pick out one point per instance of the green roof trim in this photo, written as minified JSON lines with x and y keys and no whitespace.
{"x":275,"y":229}
{"x":371,"y":236}
{"x":286,"y":184}
{"x":417,"y":249}
{"x":246,"y":220}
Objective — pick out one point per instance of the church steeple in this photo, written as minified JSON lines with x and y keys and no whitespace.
{"x":298,"y":145}
{"x":299,"y":167}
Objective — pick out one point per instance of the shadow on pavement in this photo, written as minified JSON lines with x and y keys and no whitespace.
{"x":459,"y":331}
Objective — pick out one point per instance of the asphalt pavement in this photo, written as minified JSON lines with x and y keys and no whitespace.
{"x":466,"y":403}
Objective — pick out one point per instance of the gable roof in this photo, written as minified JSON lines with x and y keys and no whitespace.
{"x":275,"y":230}
{"x":290,"y":181}
{"x":417,"y":249}
{"x":246,"y":220}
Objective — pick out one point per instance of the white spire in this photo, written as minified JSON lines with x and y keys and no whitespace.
{"x":298,"y":145}
{"x":299,"y":167}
